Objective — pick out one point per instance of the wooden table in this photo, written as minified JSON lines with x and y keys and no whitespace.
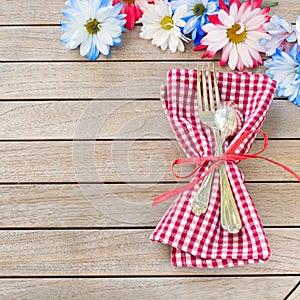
{"x":83,"y":145}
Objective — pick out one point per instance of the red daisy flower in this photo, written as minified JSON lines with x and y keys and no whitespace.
{"x":133,"y":10}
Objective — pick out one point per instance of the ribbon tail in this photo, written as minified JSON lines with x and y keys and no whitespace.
{"x":175,"y":192}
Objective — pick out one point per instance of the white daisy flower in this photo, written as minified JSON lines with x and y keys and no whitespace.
{"x":95,"y":25}
{"x":164,"y":27}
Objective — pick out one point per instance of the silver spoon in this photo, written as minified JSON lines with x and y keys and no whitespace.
{"x":229,"y":120}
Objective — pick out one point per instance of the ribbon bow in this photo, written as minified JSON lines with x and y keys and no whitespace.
{"x":229,"y":155}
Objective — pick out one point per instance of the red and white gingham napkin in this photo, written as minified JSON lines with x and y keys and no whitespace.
{"x":200,"y":241}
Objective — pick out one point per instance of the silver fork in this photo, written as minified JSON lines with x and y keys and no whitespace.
{"x":230,"y":219}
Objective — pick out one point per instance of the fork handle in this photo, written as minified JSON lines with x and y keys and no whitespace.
{"x":230,"y":218}
{"x":201,"y":199}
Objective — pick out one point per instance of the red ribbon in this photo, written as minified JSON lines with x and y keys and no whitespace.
{"x":229,"y":155}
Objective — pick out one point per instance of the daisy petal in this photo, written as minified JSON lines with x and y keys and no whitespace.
{"x":85,"y":46}
{"x":233,"y":58}
{"x":226,"y":19}
{"x":244,"y":55}
{"x":129,"y":10}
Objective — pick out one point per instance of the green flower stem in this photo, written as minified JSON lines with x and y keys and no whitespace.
{"x":272,"y":4}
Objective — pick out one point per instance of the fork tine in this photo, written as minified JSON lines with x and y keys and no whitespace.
{"x":217,"y":93}
{"x":204,"y":89}
{"x":210,"y":90}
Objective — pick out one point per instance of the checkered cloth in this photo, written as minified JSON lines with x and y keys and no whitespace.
{"x":200,"y":241}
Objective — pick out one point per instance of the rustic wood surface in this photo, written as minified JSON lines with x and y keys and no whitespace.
{"x":129,"y":161}
{"x":85,"y":147}
{"x":122,"y":252}
{"x":65,"y":205}
{"x":119,"y":119}
{"x":148,"y":288}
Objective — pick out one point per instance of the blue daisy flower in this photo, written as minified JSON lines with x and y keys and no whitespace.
{"x":94,"y":25}
{"x":285,"y":69}
{"x":197,"y":16}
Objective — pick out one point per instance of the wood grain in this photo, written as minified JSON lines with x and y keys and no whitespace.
{"x":120,"y":205}
{"x":113,"y":120}
{"x":49,"y":11}
{"x":123,"y":161}
{"x":121,"y":252}
{"x":81,"y":80}
{"x":233,"y":288}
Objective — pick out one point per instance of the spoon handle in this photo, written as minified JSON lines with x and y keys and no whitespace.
{"x":230,"y":218}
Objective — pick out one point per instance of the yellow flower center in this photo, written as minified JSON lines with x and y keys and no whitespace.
{"x":92,"y":26}
{"x":237,"y":33}
{"x":167,"y":23}
{"x":198,"y":9}
{"x":128,"y":1}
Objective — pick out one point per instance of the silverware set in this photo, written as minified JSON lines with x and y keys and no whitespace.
{"x":208,"y":103}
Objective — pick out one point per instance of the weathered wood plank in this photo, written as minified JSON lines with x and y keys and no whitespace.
{"x":43,"y":44}
{"x":37,"y":12}
{"x":104,"y":120}
{"x":123,"y":161}
{"x":101,"y":79}
{"x":49,"y":11}
{"x":267,"y":288}
{"x":121,"y":252}
{"x":89,"y":205}
{"x":113,"y":120}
